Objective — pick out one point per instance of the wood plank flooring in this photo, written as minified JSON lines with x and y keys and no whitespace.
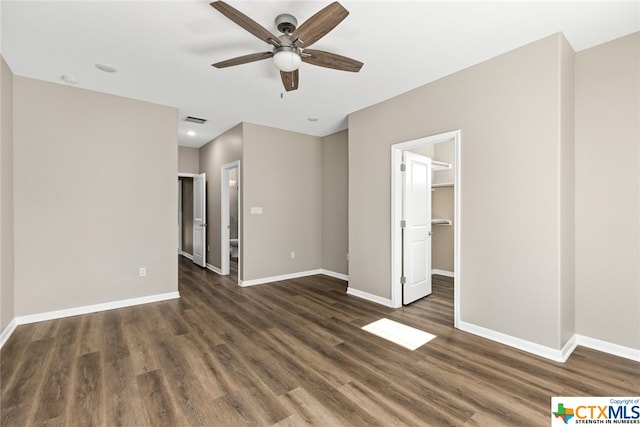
{"x":284,"y":354}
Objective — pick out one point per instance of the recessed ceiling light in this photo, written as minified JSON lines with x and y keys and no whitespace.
{"x":313,"y":119}
{"x":191,"y":133}
{"x":106,"y":68}
{"x":72,"y":80}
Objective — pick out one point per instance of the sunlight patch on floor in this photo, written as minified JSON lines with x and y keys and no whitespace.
{"x":403,"y":335}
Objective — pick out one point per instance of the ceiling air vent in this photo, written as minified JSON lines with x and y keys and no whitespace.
{"x":193,"y":119}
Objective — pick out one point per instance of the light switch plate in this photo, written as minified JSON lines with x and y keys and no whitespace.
{"x":256,"y":210}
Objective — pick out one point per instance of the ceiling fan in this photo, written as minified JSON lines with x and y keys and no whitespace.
{"x":291,"y":48}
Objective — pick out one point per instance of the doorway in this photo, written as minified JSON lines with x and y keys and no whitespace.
{"x":231,"y":246}
{"x":185,"y":215}
{"x":191,"y":217}
{"x":397,"y":180}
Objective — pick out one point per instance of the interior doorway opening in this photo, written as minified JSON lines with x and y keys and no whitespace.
{"x":451,"y":182}
{"x":192,"y":217}
{"x":230,"y":232}
{"x":185,"y":215}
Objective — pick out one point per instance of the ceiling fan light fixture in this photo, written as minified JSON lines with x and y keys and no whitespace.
{"x":286,"y":58}
{"x":292,"y":47}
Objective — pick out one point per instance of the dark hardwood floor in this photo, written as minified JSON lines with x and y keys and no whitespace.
{"x":284,"y":354}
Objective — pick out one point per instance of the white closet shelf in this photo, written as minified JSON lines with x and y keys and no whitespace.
{"x":438,"y":166}
{"x":440,"y":221}
{"x":442,"y":185}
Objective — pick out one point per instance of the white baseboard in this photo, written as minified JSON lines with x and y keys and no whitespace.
{"x":214,"y":269}
{"x":520,"y":344}
{"x":369,"y":297}
{"x":568,"y":348}
{"x":607,"y":347}
{"x":188,"y":256}
{"x":8,"y":331}
{"x":550,"y":353}
{"x":335,"y":275}
{"x":75,"y":311}
{"x":442,"y":272}
{"x":264,"y":280}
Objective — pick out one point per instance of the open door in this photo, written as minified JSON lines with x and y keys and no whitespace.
{"x":199,"y":220}
{"x":416,"y":245}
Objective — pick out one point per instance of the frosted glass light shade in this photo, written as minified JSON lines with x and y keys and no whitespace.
{"x":286,"y":60}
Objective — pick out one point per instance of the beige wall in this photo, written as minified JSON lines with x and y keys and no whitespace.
{"x":608,"y":191}
{"x":508,"y":110}
{"x":188,"y":160}
{"x":335,"y":202}
{"x":566,"y":204}
{"x":7,"y":311}
{"x":282,"y":174}
{"x":226,"y":148}
{"x":287,"y":174}
{"x":95,"y":197}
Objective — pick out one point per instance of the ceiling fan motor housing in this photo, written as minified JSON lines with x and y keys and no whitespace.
{"x":286,"y":23}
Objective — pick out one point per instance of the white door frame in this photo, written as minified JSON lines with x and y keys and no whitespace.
{"x":396,"y":216}
{"x":224,"y":217}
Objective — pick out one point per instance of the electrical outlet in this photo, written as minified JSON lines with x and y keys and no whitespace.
{"x":142,"y":272}
{"x":292,"y":255}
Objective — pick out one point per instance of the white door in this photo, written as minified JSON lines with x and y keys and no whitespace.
{"x":199,"y":220}
{"x":416,"y":254}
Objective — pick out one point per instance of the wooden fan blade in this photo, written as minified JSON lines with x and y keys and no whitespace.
{"x":245,"y":59}
{"x":314,"y":28}
{"x":330,"y":60}
{"x":245,"y":22}
{"x":290,"y":80}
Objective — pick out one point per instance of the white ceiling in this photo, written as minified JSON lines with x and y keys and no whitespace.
{"x":163,"y":51}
